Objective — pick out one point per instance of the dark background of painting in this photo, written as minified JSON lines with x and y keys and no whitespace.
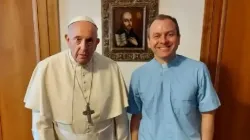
{"x":137,"y":23}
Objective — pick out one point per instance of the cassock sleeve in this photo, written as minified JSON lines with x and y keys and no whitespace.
{"x":122,"y":126}
{"x":134,"y":100}
{"x":36,"y":100}
{"x":35,"y":119}
{"x":207,"y":97}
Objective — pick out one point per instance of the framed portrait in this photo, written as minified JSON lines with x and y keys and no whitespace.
{"x":124,"y":29}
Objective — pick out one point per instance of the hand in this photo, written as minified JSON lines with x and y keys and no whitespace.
{"x":133,"y":41}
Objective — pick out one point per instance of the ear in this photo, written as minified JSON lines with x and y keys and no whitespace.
{"x":66,"y":37}
{"x":97,"y":41}
{"x":148,"y":42}
{"x":179,"y":40}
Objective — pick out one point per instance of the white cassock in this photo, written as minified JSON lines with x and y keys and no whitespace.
{"x":58,"y":93}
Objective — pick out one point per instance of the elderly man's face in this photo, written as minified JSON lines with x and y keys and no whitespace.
{"x":163,"y":39}
{"x":82,"y":40}
{"x":127,"y":20}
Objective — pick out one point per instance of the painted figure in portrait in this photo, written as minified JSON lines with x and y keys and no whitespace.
{"x":129,"y":33}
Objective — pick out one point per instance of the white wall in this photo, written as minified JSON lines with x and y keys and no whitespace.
{"x":189,"y":14}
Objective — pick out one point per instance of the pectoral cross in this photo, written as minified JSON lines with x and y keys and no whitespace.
{"x":88,"y":112}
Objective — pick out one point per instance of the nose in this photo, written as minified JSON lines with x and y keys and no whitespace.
{"x":83,"y":45}
{"x":163,"y":40}
{"x":130,"y":23}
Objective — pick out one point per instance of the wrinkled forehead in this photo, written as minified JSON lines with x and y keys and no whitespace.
{"x":162,"y":26}
{"x":83,"y":29}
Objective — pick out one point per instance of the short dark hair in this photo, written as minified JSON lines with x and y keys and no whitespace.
{"x":164,"y":17}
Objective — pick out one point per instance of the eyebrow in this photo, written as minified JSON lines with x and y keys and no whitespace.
{"x":170,"y":31}
{"x":77,"y":37}
{"x":89,"y":39}
{"x":174,"y":30}
{"x":156,"y":33}
{"x":127,"y":19}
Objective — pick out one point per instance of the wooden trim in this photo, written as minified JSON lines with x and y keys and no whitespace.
{"x":221,"y":43}
{"x":207,"y":29}
{"x":1,"y":136}
{"x":46,"y":23}
{"x":53,"y":23}
{"x":212,"y":35}
{"x":36,"y":32}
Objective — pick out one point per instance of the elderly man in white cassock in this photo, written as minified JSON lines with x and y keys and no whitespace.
{"x":78,"y":94}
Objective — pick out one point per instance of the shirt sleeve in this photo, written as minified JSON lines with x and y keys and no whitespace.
{"x":134,"y":100}
{"x":207,"y":97}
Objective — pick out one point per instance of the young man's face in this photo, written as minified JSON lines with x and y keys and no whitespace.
{"x":163,"y":39}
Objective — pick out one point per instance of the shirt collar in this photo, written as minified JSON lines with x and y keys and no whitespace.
{"x":173,"y":62}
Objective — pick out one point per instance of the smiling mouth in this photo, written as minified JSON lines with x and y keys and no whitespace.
{"x":165,"y":47}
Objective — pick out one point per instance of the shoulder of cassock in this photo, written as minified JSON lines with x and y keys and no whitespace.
{"x":36,"y":87}
{"x":36,"y":91}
